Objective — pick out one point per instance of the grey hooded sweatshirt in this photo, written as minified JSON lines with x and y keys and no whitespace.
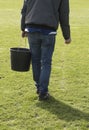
{"x":46,"y":13}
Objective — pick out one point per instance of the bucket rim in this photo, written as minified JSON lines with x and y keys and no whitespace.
{"x":21,"y":49}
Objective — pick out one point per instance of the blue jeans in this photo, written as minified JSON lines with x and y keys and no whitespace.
{"x":42,"y":47}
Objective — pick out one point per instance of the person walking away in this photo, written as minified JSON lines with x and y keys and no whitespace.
{"x":40,"y":20}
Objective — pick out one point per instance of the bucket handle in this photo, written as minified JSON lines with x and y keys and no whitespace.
{"x":25,"y":40}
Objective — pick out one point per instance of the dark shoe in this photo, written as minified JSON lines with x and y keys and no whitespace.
{"x":37,"y":91}
{"x":43,"y":96}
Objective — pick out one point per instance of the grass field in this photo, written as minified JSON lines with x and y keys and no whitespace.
{"x":68,"y":108}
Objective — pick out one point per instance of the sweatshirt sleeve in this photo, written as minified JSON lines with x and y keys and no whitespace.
{"x":64,"y":18}
{"x":23,"y":12}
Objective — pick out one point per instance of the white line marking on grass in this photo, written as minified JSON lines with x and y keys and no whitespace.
{"x":63,"y":79}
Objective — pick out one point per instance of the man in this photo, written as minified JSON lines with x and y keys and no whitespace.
{"x":40,"y":18}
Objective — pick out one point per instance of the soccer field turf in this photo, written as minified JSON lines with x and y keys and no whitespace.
{"x":68,"y":107}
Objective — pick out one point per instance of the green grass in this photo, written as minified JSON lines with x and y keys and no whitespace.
{"x":68,"y":108}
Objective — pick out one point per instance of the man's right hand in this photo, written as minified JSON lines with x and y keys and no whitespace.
{"x":24,"y":34}
{"x":68,"y":41}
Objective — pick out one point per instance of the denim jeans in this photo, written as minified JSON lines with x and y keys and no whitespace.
{"x":42,"y":47}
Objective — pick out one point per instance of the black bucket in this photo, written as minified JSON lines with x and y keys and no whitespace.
{"x":20,"y":59}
